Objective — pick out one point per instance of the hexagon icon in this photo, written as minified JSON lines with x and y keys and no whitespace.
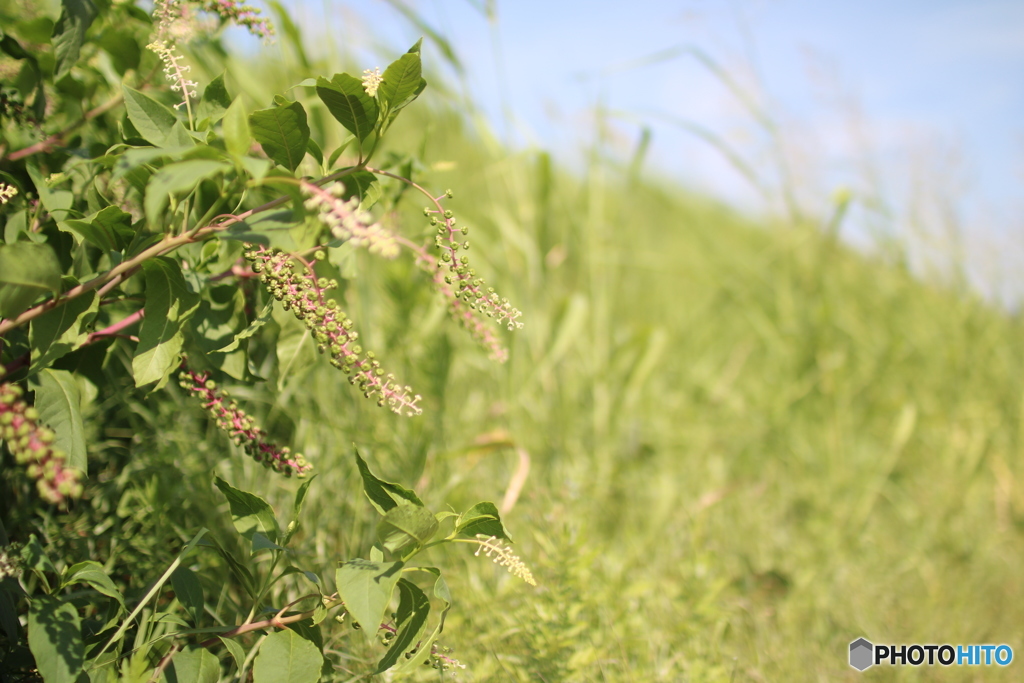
{"x":861,"y":654}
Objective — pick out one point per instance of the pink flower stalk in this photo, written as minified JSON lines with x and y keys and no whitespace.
{"x":243,"y":15}
{"x":31,"y":445}
{"x":305,"y":295}
{"x":242,"y":427}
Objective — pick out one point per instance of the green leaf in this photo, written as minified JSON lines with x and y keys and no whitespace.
{"x":401,"y":81}
{"x":261,"y":542}
{"x":215,"y":100}
{"x":237,"y":653}
{"x":287,"y":657}
{"x":60,"y":408}
{"x":109,"y":229}
{"x":348,"y":102}
{"x":176,"y":179}
{"x":405,"y":528}
{"x":282,"y":131}
{"x":366,"y":587}
{"x":55,"y":638}
{"x":384,"y":495}
{"x":300,"y":498}
{"x":235,"y":128}
{"x":249,"y":512}
{"x":189,"y":592}
{"x":69,"y":34}
{"x":156,"y":123}
{"x":314,"y":151}
{"x":364,"y":185}
{"x":194,"y":665}
{"x":482,"y":518}
{"x":262,"y":319}
{"x":413,"y":609}
{"x":442,"y":593}
{"x":62,"y":329}
{"x":92,"y":574}
{"x":169,"y":304}
{"x":27,"y":271}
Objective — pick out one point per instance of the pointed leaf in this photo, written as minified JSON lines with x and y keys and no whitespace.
{"x":109,"y":229}
{"x":235,"y":127}
{"x":482,"y":518}
{"x":60,"y":408}
{"x":215,"y":100}
{"x":169,"y":304}
{"x":405,"y":528}
{"x":156,"y":123}
{"x":249,"y":512}
{"x":283,"y":132}
{"x":287,"y":657}
{"x":55,"y":638}
{"x":27,"y":270}
{"x":366,"y":588}
{"x":62,"y":329}
{"x":195,"y":665}
{"x":92,"y":574}
{"x":176,"y":179}
{"x":69,"y":34}
{"x":189,"y":592}
{"x":348,"y":102}
{"x":413,"y":609}
{"x":401,"y":80}
{"x":384,"y":495}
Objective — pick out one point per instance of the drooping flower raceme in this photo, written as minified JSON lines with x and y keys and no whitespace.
{"x":241,"y":427}
{"x":347,"y":221}
{"x":31,"y":444}
{"x":305,"y":295}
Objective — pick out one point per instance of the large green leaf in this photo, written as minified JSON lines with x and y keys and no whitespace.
{"x":175,"y":179}
{"x":62,"y":329}
{"x":405,"y":528}
{"x":287,"y":657}
{"x":169,"y":304}
{"x":154,"y":121}
{"x":348,"y":102}
{"x":189,"y":592}
{"x":55,"y":638}
{"x":442,"y":593}
{"x":482,"y":518}
{"x":215,"y":100}
{"x":195,"y":665}
{"x":384,"y":495}
{"x":366,"y":588}
{"x":411,"y":620}
{"x":59,"y":406}
{"x":235,"y":128}
{"x":109,"y":229}
{"x":283,"y":132}
{"x":27,"y":270}
{"x":249,"y":512}
{"x":69,"y":34}
{"x":92,"y":574}
{"x":401,"y":80}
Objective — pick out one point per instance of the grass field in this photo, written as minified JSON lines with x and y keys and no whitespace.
{"x":749,"y":444}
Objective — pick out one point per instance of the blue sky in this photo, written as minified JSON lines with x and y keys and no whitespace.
{"x":917,"y":107}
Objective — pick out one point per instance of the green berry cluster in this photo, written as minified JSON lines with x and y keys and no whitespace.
{"x":304,"y":295}
{"x":31,"y":444}
{"x":242,"y":427}
{"x":471,"y":302}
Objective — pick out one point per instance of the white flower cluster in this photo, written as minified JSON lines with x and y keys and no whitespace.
{"x":491,"y":546}
{"x":7,"y":192}
{"x":371,"y":81}
{"x":347,"y":221}
{"x":174,"y":71}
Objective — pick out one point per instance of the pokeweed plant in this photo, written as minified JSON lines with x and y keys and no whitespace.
{"x":138,"y":216}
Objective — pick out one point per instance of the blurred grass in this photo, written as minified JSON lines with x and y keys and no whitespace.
{"x":750,"y":445}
